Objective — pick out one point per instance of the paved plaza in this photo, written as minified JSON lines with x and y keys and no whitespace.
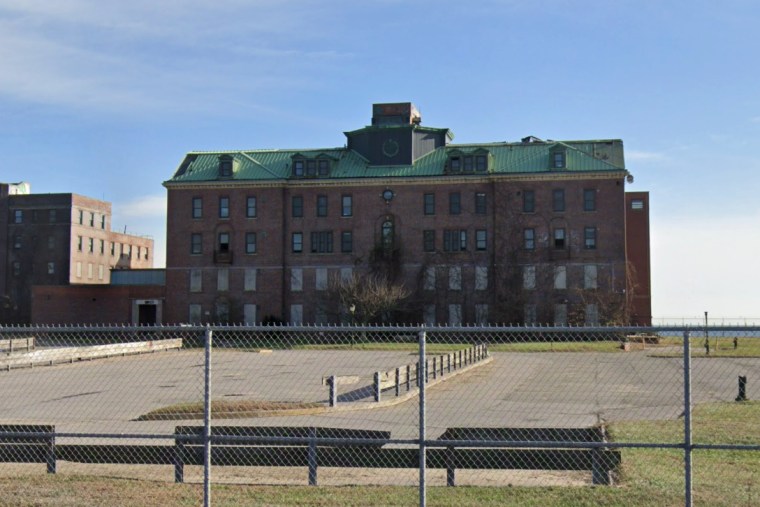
{"x":515,"y":389}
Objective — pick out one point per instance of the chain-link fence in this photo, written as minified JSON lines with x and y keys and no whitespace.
{"x":667,"y":410}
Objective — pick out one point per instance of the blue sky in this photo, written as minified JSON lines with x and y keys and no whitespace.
{"x":103,"y":98}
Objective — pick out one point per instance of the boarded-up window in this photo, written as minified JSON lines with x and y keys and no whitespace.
{"x":296,"y":279}
{"x":560,"y":277}
{"x":194,"y":315}
{"x":455,"y":315}
{"x":296,"y":314}
{"x":529,"y":277}
{"x":481,"y":277}
{"x":249,"y":283}
{"x":455,"y":278}
{"x":320,"y":315}
{"x":249,"y":313}
{"x":223,"y":279}
{"x":223,"y":311}
{"x":530,"y":314}
{"x":429,"y":282}
{"x":481,"y":314}
{"x":321,"y":278}
{"x":589,"y":276}
{"x":196,"y":280}
{"x":592,"y":314}
{"x":560,"y":315}
{"x":429,"y":315}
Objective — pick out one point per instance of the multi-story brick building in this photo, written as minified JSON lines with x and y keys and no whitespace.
{"x":523,"y":232}
{"x":55,"y":240}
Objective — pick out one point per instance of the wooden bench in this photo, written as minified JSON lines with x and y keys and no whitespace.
{"x":275,"y":446}
{"x":28,"y":443}
{"x":599,"y":461}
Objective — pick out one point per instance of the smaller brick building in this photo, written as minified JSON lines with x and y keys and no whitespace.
{"x":58,"y":240}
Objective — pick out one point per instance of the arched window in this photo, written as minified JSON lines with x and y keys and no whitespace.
{"x":387,"y":234}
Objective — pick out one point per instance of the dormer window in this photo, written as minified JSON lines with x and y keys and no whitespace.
{"x":225,"y":166}
{"x":311,"y":167}
{"x":474,"y":161}
{"x":558,"y":159}
{"x":298,"y":168}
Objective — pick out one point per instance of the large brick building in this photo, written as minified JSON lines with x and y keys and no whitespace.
{"x":58,"y":240}
{"x":523,"y":232}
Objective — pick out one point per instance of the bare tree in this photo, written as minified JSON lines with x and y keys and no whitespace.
{"x":612,"y":303}
{"x":368,"y":298}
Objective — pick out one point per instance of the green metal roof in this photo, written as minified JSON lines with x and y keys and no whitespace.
{"x":504,"y":158}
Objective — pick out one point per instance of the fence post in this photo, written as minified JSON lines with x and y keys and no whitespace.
{"x":333,"y":381}
{"x":687,"y":419}
{"x":599,"y":469}
{"x":207,"y":423}
{"x":742,"y":396}
{"x":179,"y":459}
{"x":423,"y":449}
{"x":50,"y":458}
{"x":408,"y":377}
{"x":312,"y":456}
{"x":398,"y":381}
{"x":377,"y":385}
{"x":451,"y":478}
{"x":435,"y":368}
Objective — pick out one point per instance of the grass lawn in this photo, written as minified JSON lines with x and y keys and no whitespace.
{"x":723,"y":347}
{"x":442,"y":348}
{"x":719,"y":347}
{"x":647,"y":477}
{"x":223,"y":409}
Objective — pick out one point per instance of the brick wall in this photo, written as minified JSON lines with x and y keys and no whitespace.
{"x":274,"y":225}
{"x":88,"y":304}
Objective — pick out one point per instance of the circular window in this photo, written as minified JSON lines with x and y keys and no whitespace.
{"x":390,"y":148}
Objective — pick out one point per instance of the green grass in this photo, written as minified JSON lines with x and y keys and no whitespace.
{"x":647,"y":477}
{"x":719,"y":347}
{"x":442,"y":348}
{"x":723,"y":347}
{"x":224,"y":409}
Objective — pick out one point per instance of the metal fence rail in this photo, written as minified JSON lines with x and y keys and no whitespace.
{"x":423,"y":406}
